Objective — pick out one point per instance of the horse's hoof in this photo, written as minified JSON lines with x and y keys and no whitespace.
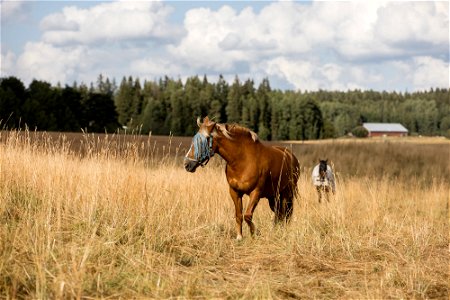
{"x":239,"y":238}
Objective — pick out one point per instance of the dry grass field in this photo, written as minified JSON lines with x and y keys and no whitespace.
{"x":119,"y":217}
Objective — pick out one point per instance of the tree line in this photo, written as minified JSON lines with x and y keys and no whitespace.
{"x":169,"y":106}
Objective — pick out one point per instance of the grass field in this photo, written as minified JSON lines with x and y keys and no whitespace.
{"x":118,"y":217}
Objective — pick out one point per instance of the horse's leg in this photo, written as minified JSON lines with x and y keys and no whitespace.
{"x":327,"y":193}
{"x":274,"y":203}
{"x":319,"y":193}
{"x":254,"y":199}
{"x":237,"y":199}
{"x":286,"y":205}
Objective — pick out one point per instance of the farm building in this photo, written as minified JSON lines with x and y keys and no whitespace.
{"x":385,"y":129}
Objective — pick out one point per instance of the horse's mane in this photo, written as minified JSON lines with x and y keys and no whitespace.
{"x":230,"y":130}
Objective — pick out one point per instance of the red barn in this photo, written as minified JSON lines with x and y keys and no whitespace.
{"x":385,"y":129}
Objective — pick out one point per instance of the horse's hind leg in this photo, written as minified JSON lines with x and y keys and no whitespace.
{"x":287,"y":205}
{"x":274,"y":203}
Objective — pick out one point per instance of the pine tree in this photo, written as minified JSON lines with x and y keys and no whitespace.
{"x":179,"y":109}
{"x":136,"y":104}
{"x":192,"y":89}
{"x":221,"y":90}
{"x":155,"y":111}
{"x":123,"y":101}
{"x":234,"y":105}
{"x":264,"y":108}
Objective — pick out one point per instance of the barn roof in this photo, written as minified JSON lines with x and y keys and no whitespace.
{"x":384,"y":127}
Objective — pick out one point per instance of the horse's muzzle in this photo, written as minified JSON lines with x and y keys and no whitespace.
{"x":190,"y":165}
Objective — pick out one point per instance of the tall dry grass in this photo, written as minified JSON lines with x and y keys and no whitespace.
{"x":103,"y":225}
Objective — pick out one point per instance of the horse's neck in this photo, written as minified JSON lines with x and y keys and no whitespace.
{"x":233,"y":150}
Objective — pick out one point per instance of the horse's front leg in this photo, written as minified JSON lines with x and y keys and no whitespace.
{"x":327,"y":193}
{"x":237,"y":199}
{"x":319,"y":193}
{"x":254,"y":199}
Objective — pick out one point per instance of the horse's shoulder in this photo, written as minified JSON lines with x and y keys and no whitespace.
{"x":242,"y":179}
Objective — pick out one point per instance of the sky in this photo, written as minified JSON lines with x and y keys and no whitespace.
{"x":298,"y":45}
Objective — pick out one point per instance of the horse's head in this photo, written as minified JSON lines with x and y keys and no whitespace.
{"x":323,"y":168}
{"x":201,"y":149}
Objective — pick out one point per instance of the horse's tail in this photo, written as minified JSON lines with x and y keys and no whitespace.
{"x":284,"y":205}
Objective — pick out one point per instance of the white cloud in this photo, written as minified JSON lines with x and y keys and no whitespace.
{"x":80,"y":63}
{"x":312,"y":75}
{"x":283,"y":22}
{"x":154,"y":68}
{"x":60,"y":22}
{"x":13,"y":11}
{"x":113,"y":38}
{"x":220,"y":40}
{"x":332,"y":72}
{"x":212,"y":41}
{"x":109,"y":22}
{"x":418,"y":22}
{"x":430,"y":72}
{"x":281,"y":28}
{"x":365,"y":76}
{"x":7,"y":63}
{"x":47,"y":62}
{"x":299,"y":73}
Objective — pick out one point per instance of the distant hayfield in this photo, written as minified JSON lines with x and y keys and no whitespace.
{"x":387,"y":139}
{"x":117,"y":216}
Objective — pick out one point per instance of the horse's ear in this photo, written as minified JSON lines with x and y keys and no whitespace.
{"x":209,"y":125}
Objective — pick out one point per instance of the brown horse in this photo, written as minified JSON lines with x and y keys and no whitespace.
{"x":252,"y":169}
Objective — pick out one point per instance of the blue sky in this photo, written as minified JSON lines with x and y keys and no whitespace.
{"x":379,"y":45}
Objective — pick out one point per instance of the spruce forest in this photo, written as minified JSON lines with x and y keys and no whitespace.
{"x":169,"y":106}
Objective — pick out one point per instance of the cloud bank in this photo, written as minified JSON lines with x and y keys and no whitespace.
{"x":321,"y":45}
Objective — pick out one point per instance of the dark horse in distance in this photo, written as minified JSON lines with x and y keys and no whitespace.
{"x":252,"y":169}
